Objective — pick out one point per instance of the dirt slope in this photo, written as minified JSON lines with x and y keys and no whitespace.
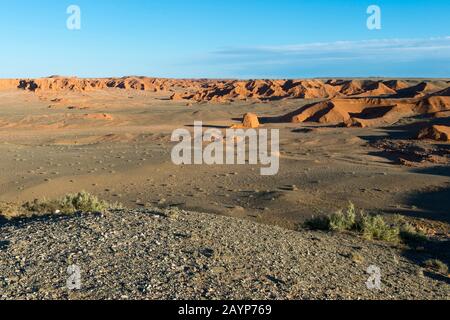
{"x":172,"y":254}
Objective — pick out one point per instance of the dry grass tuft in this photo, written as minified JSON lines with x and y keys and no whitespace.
{"x":81,"y":202}
{"x":371,"y":227}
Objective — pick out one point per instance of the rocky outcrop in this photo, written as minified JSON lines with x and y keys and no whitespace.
{"x":438,"y":133}
{"x":250,"y":121}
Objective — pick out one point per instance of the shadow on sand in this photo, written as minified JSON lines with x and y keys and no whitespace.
{"x":210,"y":126}
{"x":434,"y":205}
{"x":409,"y":130}
{"x":23,"y":222}
{"x":400,"y":144}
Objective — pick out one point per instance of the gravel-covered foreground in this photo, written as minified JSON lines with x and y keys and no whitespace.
{"x":172,"y":254}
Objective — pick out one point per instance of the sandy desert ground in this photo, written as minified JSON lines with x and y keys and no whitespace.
{"x":63,"y":135}
{"x":379,"y":143}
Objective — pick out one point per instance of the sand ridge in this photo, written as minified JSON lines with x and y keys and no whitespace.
{"x":57,"y":83}
{"x":201,"y":90}
{"x":349,"y":103}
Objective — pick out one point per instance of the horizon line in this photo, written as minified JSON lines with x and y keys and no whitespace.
{"x":224,"y":78}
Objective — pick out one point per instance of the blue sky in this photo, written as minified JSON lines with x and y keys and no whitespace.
{"x":225,"y":39}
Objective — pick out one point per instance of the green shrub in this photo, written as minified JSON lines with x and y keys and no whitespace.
{"x":339,"y":221}
{"x":343,"y":221}
{"x":371,"y":227}
{"x":82,"y":202}
{"x":376,"y":228}
{"x":69,"y":204}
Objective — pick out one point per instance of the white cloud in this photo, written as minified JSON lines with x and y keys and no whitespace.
{"x":428,"y":57}
{"x":339,"y":50}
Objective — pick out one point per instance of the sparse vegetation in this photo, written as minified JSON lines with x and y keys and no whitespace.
{"x":69,"y":204}
{"x":343,"y":221}
{"x":437,"y":265}
{"x":339,"y":221}
{"x":371,"y":227}
{"x":376,"y":228}
{"x":410,"y":235}
{"x":8,"y":209}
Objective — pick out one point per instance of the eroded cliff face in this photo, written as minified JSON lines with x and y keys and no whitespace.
{"x":350,"y":103}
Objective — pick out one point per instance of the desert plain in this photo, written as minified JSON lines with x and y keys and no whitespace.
{"x":111,"y":137}
{"x":382,"y":144}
